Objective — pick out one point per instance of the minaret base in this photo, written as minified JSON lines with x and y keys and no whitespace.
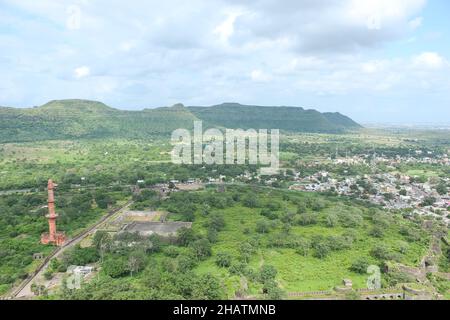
{"x":59,"y":239}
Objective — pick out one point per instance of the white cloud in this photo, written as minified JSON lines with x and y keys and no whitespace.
{"x":431,"y":60}
{"x":306,"y":62}
{"x":127,"y":46}
{"x":226,"y":28}
{"x":416,"y":23}
{"x":331,"y":26}
{"x":151,"y":53}
{"x":74,"y":18}
{"x":372,"y":66}
{"x":260,"y":76}
{"x":82,"y":72}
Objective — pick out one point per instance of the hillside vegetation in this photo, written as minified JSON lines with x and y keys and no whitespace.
{"x":69,"y":119}
{"x":291,"y":119}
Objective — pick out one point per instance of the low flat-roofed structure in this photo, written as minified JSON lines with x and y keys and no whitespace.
{"x":189,"y":186}
{"x":159,"y":228}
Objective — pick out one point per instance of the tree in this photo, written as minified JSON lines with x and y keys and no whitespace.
{"x":428,"y":201}
{"x":103,"y":242}
{"x":303,"y":246}
{"x":332,"y":220}
{"x":377,"y":232}
{"x":246,"y":250}
{"x":48,"y":274}
{"x":321,"y":250}
{"x":201,"y":248}
{"x":251,"y":201}
{"x":212,"y":235}
{"x":39,"y":289}
{"x":136,"y":261}
{"x":152,"y":276}
{"x":301,"y":208}
{"x":217,"y":222}
{"x":442,"y":188}
{"x":154,"y":243}
{"x":388,"y":196}
{"x":382,"y":252}
{"x":185,"y":236}
{"x":267,"y":273}
{"x":318,"y":205}
{"x":350,"y":219}
{"x":402,"y":246}
{"x":206,"y":287}
{"x":306,"y":219}
{"x":262,"y":226}
{"x":268,"y":213}
{"x":186,"y":262}
{"x":223,"y":259}
{"x":337,"y":243}
{"x":103,"y":200}
{"x":115,"y":266}
{"x":286,"y":228}
{"x":273,"y":292}
{"x":360,"y":265}
{"x":80,"y":256}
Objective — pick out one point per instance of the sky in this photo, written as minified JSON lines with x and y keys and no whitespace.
{"x":377,"y":61}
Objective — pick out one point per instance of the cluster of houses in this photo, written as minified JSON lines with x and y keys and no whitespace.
{"x":389,"y":190}
{"x":420,"y":157}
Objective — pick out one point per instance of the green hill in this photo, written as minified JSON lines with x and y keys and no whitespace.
{"x":292,"y":119}
{"x":72,"y":119}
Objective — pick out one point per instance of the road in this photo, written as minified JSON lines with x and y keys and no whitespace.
{"x":23,"y":291}
{"x":14,"y":191}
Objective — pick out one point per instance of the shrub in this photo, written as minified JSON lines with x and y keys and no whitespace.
{"x":251,"y":201}
{"x":318,"y":205}
{"x":186,"y":262}
{"x":201,"y":248}
{"x":212,"y":235}
{"x":171,"y":251}
{"x":321,"y":250}
{"x":350,"y":219}
{"x":115,"y":267}
{"x":185,"y":236}
{"x":331,"y":220}
{"x":223,"y":259}
{"x":382,"y":252}
{"x":303,"y":247}
{"x":337,"y":243}
{"x":377,"y":232}
{"x":217,"y":222}
{"x":301,"y":208}
{"x":306,"y":219}
{"x":269,"y":214}
{"x":267,"y":273}
{"x":262,"y":226}
{"x":238,"y":268}
{"x":360,"y":265}
{"x":246,"y":250}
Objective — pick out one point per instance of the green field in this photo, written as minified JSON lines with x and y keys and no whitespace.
{"x":297,"y":273}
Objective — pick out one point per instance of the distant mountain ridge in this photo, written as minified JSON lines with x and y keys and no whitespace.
{"x":293,"y":119}
{"x":72,"y":119}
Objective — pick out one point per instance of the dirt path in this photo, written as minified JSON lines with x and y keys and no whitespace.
{"x":24,"y":290}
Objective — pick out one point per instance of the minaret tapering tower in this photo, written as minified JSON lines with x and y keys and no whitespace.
{"x":53,"y":236}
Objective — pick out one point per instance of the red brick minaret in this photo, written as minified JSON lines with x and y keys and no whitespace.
{"x":53,"y":236}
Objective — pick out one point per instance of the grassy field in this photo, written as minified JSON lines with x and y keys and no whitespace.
{"x":297,"y":273}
